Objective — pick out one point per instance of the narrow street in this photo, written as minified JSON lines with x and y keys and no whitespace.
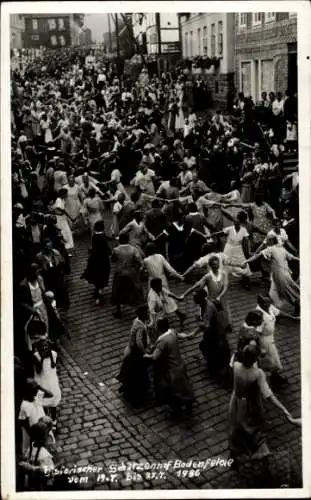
{"x":96,"y":426}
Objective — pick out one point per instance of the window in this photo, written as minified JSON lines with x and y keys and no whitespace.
{"x":190,"y":43}
{"x":205,"y":49}
{"x":62,"y":41}
{"x":220,"y":39}
{"x":35,"y":24}
{"x":199,"y":41}
{"x":213,"y":41}
{"x":186,"y":44}
{"x":269,"y":16}
{"x":242,"y":19}
{"x":257,"y":18}
{"x":52,"y":24}
{"x":53,"y":40}
{"x":61,"y":24}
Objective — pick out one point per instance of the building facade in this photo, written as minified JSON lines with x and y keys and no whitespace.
{"x":51,"y":30}
{"x":121,"y":41}
{"x":158,"y":36}
{"x":17,"y":27}
{"x":265,"y":52}
{"x":85,"y":37}
{"x":211,"y":35}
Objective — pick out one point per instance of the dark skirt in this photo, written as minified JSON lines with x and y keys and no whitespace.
{"x":172,"y":385}
{"x":127,"y":288}
{"x":97,"y":271}
{"x":214,"y":347}
{"x":134,"y":376}
{"x":55,"y":282}
{"x":193,"y":248}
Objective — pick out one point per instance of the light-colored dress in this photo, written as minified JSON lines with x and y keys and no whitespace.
{"x":46,"y":127}
{"x":48,"y":380}
{"x":283,"y":288}
{"x":63,"y":224}
{"x":215,"y":284}
{"x":271,"y":360}
{"x":234,"y":251}
{"x":92,"y":209}
{"x":160,"y":305}
{"x":158,"y":267}
{"x":72,"y":202}
{"x":246,"y":415}
{"x":137,"y":233}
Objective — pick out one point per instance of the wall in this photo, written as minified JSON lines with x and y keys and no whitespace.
{"x":267,"y":41}
{"x":17,"y":27}
{"x":42,"y":36}
{"x":220,"y":82}
{"x":198,"y":22}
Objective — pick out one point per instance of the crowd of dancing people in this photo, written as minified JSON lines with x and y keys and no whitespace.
{"x":150,"y":182}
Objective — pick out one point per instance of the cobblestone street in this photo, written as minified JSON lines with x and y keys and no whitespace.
{"x":96,"y":426}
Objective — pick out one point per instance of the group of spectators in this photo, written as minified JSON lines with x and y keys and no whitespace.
{"x":80,"y":134}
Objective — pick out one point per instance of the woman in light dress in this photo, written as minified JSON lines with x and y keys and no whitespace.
{"x":246,"y":413}
{"x":283,"y":290}
{"x":92,"y":210}
{"x":31,"y":410}
{"x":46,"y":375}
{"x":237,"y":237}
{"x":179,"y":120}
{"x":62,"y":220}
{"x":271,"y":362}
{"x":45,"y":125}
{"x":73,"y":200}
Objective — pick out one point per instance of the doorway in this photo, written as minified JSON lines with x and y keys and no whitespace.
{"x":292,"y":76}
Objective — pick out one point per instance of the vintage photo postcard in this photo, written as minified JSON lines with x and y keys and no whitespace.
{"x":155,"y":250}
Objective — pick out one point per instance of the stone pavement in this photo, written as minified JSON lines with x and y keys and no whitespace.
{"x":96,"y":426}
